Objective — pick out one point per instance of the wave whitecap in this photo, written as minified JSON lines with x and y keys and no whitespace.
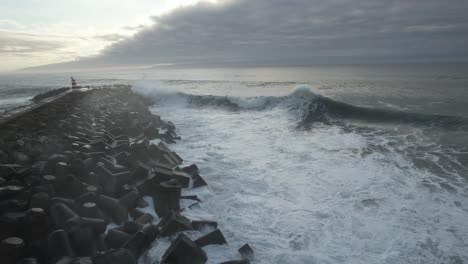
{"x":303,"y":103}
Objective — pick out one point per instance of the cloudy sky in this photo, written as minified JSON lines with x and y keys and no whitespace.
{"x":109,"y":33}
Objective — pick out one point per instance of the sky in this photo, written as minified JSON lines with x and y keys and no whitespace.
{"x":195,"y":33}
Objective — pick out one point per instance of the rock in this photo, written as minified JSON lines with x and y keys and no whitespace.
{"x":9,"y":191}
{"x":191,"y":197}
{"x":35,"y":224}
{"x":246,"y":252}
{"x":21,"y":158}
{"x":3,"y":157}
{"x":191,"y":170}
{"x":82,"y":260}
{"x":13,"y":205}
{"x":29,"y":261}
{"x":118,"y":209}
{"x":141,"y":171}
{"x":173,"y":223}
{"x":115,"y":256}
{"x":68,"y":202}
{"x":59,"y":245}
{"x":12,"y":250}
{"x":200,"y":224}
{"x":91,"y":189}
{"x":91,"y":210}
{"x":182,"y":177}
{"x":88,"y":197}
{"x":37,"y":167}
{"x":66,"y":218}
{"x":136,"y":225}
{"x":142,"y":240}
{"x":242,"y":261}
{"x":167,"y":198}
{"x":162,"y":173}
{"x":116,"y":238}
{"x":69,"y":186}
{"x":14,"y":171}
{"x":111,"y":182}
{"x":40,"y":200}
{"x":61,"y":169}
{"x":198,"y":181}
{"x":184,"y":251}
{"x":10,"y":224}
{"x":212,"y":238}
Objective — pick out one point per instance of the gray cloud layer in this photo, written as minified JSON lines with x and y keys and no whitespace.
{"x":300,"y":32}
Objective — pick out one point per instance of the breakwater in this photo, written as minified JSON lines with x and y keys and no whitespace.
{"x":73,"y":173}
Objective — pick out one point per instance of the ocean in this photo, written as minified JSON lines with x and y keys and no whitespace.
{"x":323,"y":164}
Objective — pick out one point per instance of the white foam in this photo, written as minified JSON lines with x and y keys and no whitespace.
{"x":318,"y":196}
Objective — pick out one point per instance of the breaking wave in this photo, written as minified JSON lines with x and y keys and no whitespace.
{"x":305,"y":104}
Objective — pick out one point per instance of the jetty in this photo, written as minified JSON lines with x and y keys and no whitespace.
{"x":76,"y":170}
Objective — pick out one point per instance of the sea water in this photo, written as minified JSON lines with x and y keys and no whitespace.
{"x":332,"y":164}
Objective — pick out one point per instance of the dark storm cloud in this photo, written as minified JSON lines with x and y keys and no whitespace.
{"x":300,"y":32}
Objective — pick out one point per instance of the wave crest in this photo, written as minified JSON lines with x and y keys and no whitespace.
{"x":304,"y":103}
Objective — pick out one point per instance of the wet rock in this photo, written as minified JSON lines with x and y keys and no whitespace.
{"x":29,"y":261}
{"x":182,"y":177}
{"x":10,"y":224}
{"x":9,"y":191}
{"x":3,"y":157}
{"x":65,"y":218}
{"x":246,"y":252}
{"x":174,"y":223}
{"x":69,"y":186}
{"x":141,"y":171}
{"x":116,"y":238}
{"x":91,"y":210}
{"x":191,"y":170}
{"x":40,"y":200}
{"x":136,"y":225}
{"x":59,"y":245}
{"x":201,"y":224}
{"x":184,"y":251}
{"x":190,"y":197}
{"x":241,"y":261}
{"x":91,"y":189}
{"x":198,"y":181}
{"x":68,"y":202}
{"x":35,"y":224}
{"x":12,"y":250}
{"x":142,"y":240}
{"x":118,"y":209}
{"x":111,"y":182}
{"x":115,"y":256}
{"x":85,"y":198}
{"x":61,"y":169}
{"x":51,"y":162}
{"x":21,"y":158}
{"x":150,"y":131}
{"x":12,"y":205}
{"x":16,"y":171}
{"x":162,"y":173}
{"x":167,"y":198}
{"x":212,"y":238}
{"x":82,"y":260}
